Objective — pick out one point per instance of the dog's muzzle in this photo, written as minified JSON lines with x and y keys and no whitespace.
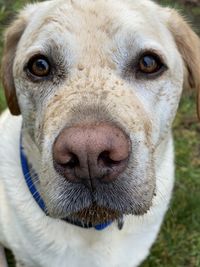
{"x":91,"y":154}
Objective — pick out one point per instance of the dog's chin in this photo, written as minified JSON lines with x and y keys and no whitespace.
{"x":94,"y":215}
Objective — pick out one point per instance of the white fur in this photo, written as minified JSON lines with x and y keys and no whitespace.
{"x":47,"y":242}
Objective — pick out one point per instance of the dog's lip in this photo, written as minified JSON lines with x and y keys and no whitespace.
{"x":120,"y":223}
{"x":77,"y":222}
{"x":83,"y":224}
{"x":92,"y":216}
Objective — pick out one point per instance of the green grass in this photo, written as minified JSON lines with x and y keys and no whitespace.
{"x":178,"y":244}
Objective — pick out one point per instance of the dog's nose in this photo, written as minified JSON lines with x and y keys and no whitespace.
{"x":95,"y":152}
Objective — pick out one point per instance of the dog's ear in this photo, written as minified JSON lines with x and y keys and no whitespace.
{"x":12,"y":37}
{"x":188,"y":44}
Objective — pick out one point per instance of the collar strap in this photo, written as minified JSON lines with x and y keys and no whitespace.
{"x":36,"y":195}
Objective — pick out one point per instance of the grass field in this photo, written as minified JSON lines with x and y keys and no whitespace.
{"x":178,"y":244}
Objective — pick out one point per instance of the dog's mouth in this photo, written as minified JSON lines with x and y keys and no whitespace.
{"x":94,"y":215}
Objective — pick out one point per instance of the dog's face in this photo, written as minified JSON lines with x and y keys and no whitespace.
{"x":98,"y":84}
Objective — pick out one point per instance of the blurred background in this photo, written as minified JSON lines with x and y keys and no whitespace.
{"x":178,"y":244}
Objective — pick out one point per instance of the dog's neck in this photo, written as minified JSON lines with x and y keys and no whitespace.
{"x":31,"y":150}
{"x":29,"y":156}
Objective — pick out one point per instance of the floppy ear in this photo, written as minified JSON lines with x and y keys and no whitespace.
{"x":12,"y":37}
{"x":188,"y":44}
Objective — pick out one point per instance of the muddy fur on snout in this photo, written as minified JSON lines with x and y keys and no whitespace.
{"x":95,"y":215}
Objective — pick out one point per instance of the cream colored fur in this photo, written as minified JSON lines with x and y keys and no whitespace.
{"x":95,"y":41}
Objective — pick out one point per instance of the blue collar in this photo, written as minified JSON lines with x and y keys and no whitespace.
{"x":36,"y":195}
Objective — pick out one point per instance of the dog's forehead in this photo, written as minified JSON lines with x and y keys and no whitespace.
{"x":96,"y":19}
{"x":96,"y":32}
{"x":97,"y":11}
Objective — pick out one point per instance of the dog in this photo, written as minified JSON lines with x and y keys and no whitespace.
{"x":87,"y":169}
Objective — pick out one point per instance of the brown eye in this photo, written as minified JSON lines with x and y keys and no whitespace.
{"x":150,"y":64}
{"x":39,"y":66}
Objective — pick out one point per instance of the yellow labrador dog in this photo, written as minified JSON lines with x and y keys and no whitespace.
{"x":87,"y":170}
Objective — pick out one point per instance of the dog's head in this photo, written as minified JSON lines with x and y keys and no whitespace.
{"x":98,"y":84}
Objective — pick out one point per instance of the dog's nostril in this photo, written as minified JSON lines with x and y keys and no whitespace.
{"x":106,"y":160}
{"x":72,"y":162}
{"x":66,"y":159}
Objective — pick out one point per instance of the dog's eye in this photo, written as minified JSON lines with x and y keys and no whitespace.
{"x":39,"y":66}
{"x":149,"y":64}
